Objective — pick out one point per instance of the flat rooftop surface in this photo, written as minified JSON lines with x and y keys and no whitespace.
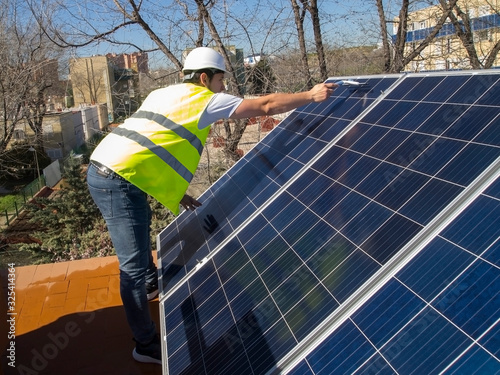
{"x":69,"y":319}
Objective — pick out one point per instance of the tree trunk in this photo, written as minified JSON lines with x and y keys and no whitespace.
{"x":299,"y":23}
{"x":397,"y":64}
{"x":232,"y":137}
{"x":464,"y":33}
{"x":137,"y":18}
{"x":490,"y":60}
{"x":313,"y":9}
{"x":386,"y":46}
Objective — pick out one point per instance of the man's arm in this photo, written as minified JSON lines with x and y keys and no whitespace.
{"x":279,"y":103}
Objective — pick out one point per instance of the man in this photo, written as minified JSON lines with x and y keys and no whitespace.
{"x":156,"y":152}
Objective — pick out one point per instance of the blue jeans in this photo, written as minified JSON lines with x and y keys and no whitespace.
{"x":128,"y":218}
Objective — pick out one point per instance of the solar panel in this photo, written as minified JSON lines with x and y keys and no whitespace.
{"x":438,"y":313}
{"x":361,"y":235}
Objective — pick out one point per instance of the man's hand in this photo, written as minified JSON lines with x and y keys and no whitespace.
{"x":322,"y":91}
{"x":189,"y":203}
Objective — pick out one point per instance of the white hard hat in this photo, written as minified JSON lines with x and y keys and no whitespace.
{"x":203,"y":58}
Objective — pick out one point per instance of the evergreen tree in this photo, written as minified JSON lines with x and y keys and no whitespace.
{"x":70,"y":225}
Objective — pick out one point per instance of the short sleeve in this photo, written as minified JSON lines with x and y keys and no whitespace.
{"x":221,"y":106}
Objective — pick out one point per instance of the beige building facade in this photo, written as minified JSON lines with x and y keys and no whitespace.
{"x":92,"y":79}
{"x":110,"y":80}
{"x":446,"y":51}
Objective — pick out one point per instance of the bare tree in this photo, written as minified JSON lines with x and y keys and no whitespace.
{"x":172,"y":27}
{"x":135,"y":16}
{"x":386,"y":45}
{"x":464,"y":31}
{"x":395,"y":60}
{"x":300,"y":15}
{"x":132,"y":13}
{"x":26,"y":75}
{"x":318,"y":38}
{"x":234,"y":129}
{"x":300,"y":12}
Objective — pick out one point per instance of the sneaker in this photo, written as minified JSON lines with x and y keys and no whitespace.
{"x":152,"y":290}
{"x":148,"y":353}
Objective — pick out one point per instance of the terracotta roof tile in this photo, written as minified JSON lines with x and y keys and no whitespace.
{"x":70,"y":321}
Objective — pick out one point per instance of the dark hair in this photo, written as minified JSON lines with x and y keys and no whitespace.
{"x":194,"y":77}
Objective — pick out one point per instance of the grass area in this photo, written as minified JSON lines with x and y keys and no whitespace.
{"x":10,"y":205}
{"x":10,"y":253}
{"x":8,"y":201}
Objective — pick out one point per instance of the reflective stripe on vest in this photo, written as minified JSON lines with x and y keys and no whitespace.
{"x":162,"y":153}
{"x":170,"y":125}
{"x":159,"y":152}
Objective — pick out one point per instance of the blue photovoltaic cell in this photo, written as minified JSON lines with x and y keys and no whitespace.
{"x":330,"y":358}
{"x":297,"y":228}
{"x":435,"y":309}
{"x":417,"y":87}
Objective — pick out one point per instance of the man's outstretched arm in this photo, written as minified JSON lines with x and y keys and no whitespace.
{"x":280,"y":102}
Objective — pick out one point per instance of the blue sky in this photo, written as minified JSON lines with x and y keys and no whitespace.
{"x":342,"y":25}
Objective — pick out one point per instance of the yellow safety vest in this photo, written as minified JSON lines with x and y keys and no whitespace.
{"x":158,"y":149}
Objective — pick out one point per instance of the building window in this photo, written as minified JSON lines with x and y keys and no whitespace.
{"x":440,"y":65}
{"x":423,"y":24}
{"x":19,"y":134}
{"x":484,"y":10}
{"x":482,"y":35}
{"x":54,"y":153}
{"x":47,"y":129}
{"x":438,"y":50}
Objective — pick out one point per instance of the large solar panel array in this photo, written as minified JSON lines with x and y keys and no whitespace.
{"x":362,"y":235}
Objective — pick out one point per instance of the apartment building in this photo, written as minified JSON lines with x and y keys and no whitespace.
{"x":111,"y":79}
{"x":136,"y":61}
{"x":446,"y":51}
{"x":92,"y":79}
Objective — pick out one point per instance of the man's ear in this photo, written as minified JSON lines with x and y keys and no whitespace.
{"x":204,"y":79}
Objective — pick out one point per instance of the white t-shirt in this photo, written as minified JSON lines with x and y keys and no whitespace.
{"x":221,"y":106}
